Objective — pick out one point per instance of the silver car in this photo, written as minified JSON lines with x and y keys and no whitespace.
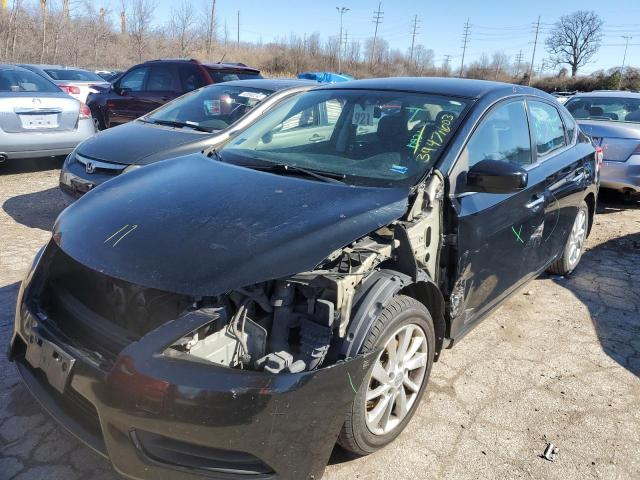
{"x":37,"y":119}
{"x":612,"y":120}
{"x":76,"y":82}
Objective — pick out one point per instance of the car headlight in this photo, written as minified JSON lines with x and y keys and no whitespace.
{"x":131,"y":168}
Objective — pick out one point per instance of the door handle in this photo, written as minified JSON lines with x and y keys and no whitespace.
{"x":536,"y":202}
{"x":316,"y":138}
{"x":578,"y":175}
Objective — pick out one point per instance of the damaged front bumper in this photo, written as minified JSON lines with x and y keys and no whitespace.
{"x":157,"y":417}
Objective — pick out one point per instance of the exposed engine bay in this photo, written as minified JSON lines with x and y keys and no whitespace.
{"x":286,"y":325}
{"x":297,"y":324}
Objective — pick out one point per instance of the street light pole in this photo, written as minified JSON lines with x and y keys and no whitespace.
{"x":624,"y":58}
{"x":341,"y":11}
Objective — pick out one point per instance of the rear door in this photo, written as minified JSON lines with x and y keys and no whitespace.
{"x":498,"y":235}
{"x":128,"y":99}
{"x":563,"y":169}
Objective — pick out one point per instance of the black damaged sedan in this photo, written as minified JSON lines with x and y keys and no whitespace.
{"x":235,"y":315}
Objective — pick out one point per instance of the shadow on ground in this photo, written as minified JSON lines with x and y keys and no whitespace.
{"x":26,"y":165}
{"x":36,"y":210}
{"x":607,"y":281}
{"x":612,"y":202}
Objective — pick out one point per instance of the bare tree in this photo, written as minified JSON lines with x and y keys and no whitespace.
{"x":182,"y":27}
{"x":139,"y":25}
{"x":575,"y":39}
{"x":211,"y":26}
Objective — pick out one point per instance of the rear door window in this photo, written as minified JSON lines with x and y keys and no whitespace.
{"x":547,"y":126}
{"x":134,"y":80}
{"x":191,"y":78}
{"x":502,"y":135}
{"x":160,"y":80}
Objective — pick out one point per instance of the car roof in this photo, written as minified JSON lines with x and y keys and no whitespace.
{"x":52,"y":67}
{"x":8,"y":66}
{"x":274,"y":84}
{"x":608,"y":93}
{"x":217,"y":66}
{"x":459,"y":87}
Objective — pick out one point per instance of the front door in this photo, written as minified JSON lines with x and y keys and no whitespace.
{"x":126,"y":101}
{"x":498,"y":235}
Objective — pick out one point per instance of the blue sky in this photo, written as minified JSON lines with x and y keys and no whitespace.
{"x":496,"y":25}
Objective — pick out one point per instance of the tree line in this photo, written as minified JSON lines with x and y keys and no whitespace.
{"x":76,"y":32}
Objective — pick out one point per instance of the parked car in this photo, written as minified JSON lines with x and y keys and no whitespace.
{"x":199,"y":120}
{"x":37,"y":119}
{"x":109,"y":75}
{"x":612,"y":120}
{"x":562,"y":97}
{"x":147,"y":86}
{"x":76,"y":82}
{"x":234,"y":315}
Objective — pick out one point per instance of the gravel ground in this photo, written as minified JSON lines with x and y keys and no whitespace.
{"x":559,"y":362}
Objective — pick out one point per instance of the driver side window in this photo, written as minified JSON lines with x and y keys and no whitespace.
{"x":134,"y":80}
{"x":502,"y":135}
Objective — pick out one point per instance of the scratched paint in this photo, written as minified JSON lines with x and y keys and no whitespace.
{"x":125,"y":230}
{"x":517,"y":233}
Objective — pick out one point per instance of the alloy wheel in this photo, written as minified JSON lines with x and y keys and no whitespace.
{"x":577,"y":237}
{"x":396,"y":379}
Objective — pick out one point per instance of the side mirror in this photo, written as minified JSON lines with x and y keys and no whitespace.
{"x":495,"y":176}
{"x":121,"y":91}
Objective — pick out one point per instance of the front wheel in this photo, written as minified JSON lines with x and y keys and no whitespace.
{"x":574,"y":247}
{"x":390,"y":394}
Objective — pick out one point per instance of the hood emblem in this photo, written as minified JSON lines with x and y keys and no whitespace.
{"x":37,"y":102}
{"x":90,"y":167}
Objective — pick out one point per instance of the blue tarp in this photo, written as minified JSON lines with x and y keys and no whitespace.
{"x":325,"y":77}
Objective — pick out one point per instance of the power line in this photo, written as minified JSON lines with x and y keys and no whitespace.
{"x":533,"y":56}
{"x":413,"y":36}
{"x":377,"y":19}
{"x":465,"y":42}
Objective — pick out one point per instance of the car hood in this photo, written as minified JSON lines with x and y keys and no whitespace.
{"x":197,"y":226}
{"x":140,"y":143}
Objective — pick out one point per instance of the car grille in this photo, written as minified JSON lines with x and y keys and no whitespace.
{"x":98,"y":166}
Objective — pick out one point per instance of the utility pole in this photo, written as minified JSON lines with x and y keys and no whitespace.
{"x":413,"y":36}
{"x":446,"y":65}
{"x":346,"y":39}
{"x":543,"y":65}
{"x":533,"y":56}
{"x":518,"y":62}
{"x":624,"y":58}
{"x":377,"y":19}
{"x":341,"y":11}
{"x":465,"y":42}
{"x":238,"y":28}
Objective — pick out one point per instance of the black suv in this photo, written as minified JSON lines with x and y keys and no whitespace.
{"x":149,"y":85}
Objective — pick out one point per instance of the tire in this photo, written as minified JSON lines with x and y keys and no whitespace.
{"x":569,"y":260}
{"x":98,"y":122}
{"x":361,"y":434}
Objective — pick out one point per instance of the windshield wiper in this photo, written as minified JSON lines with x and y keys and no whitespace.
{"x":172,"y":123}
{"x":329,"y":177}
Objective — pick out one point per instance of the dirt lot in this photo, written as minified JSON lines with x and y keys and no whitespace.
{"x":559,"y":362}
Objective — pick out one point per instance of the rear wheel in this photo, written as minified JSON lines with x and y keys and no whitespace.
{"x":575,"y":244}
{"x":390,"y":394}
{"x":98,"y":123}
